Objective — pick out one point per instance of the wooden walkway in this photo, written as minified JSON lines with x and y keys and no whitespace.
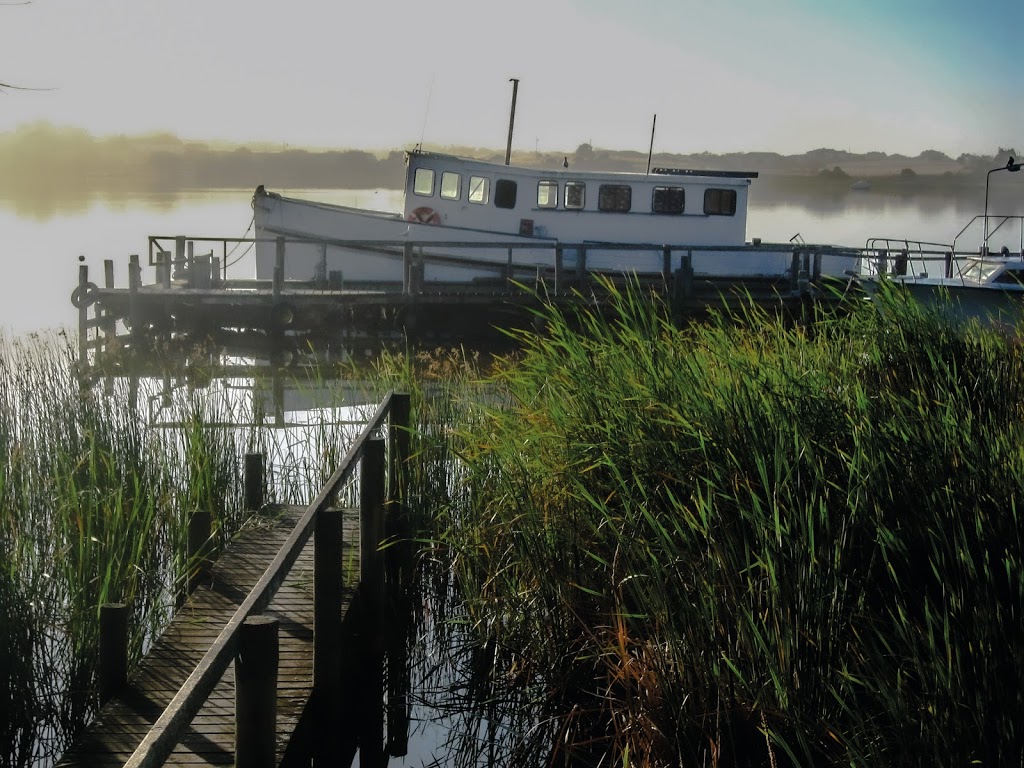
{"x":126,"y":719}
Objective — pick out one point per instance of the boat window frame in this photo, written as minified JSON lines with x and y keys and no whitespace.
{"x":615,"y":198}
{"x":551,"y":201}
{"x":483,"y":187}
{"x":669,"y":193}
{"x":720,"y":201}
{"x":416,"y":187}
{"x":573,"y":186}
{"x":503,"y":188}
{"x":445,"y":175}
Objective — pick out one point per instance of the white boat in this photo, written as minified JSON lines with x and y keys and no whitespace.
{"x":471,"y":221}
{"x":987,"y":287}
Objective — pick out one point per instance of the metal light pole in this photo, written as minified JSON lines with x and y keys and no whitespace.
{"x":1010,"y":166}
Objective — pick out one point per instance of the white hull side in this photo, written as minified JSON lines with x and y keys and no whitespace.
{"x":298,"y":219}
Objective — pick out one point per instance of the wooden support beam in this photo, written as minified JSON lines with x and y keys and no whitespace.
{"x":113,"y":665}
{"x":256,"y":663}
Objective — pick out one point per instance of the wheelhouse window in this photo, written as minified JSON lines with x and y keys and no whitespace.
{"x":616,"y":198}
{"x":720,"y":202}
{"x":575,"y":195}
{"x":671,"y":200}
{"x":423,"y":182}
{"x":451,"y":185}
{"x":547,"y":194}
{"x":479,"y":190}
{"x":505,"y":193}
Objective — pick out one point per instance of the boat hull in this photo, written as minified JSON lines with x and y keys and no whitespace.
{"x":334,"y":243}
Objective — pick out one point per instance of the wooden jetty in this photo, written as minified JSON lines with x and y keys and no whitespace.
{"x":277,"y":605}
{"x":191,"y":293}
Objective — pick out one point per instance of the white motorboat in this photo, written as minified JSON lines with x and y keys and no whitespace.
{"x":468,"y":220}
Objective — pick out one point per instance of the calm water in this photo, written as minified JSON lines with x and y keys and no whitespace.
{"x":42,"y":242}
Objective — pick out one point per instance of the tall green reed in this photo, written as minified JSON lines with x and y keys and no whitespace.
{"x":752,"y":541}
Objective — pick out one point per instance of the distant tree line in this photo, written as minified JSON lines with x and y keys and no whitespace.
{"x":41,"y":158}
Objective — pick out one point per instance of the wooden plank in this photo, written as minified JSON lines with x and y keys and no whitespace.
{"x":124,"y":722}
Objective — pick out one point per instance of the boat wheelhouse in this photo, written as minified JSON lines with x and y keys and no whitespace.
{"x":472,"y":220}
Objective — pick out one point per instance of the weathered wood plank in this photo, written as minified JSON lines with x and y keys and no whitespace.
{"x":123,"y":723}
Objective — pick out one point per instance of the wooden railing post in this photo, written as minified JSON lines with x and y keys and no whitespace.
{"x":666,"y":268}
{"x":113,"y":649}
{"x":328,"y":589}
{"x":200,"y":560}
{"x":256,"y":693}
{"x":253,"y":481}
{"x":371,"y":528}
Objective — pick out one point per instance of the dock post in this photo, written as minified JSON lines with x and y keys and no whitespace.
{"x":83,"y":317}
{"x":666,"y":268}
{"x":581,"y":268}
{"x":113,"y":649}
{"x":407,"y":271}
{"x":328,"y":589}
{"x":371,"y":508}
{"x":253,"y":481}
{"x":134,"y":283}
{"x":398,"y":560}
{"x":109,"y":323}
{"x":902,"y":258}
{"x":882,"y":262}
{"x":278,"y":270}
{"x":198,"y":557}
{"x":180,"y":265}
{"x":559,"y":259}
{"x":256,"y":693}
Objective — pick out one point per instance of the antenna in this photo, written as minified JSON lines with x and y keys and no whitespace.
{"x":511,"y":118}
{"x":650,"y":152}
{"x":426,"y":111}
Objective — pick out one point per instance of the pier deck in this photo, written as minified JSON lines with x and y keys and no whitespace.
{"x":126,"y":719}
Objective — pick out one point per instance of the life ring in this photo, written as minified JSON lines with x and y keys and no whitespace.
{"x":424,"y":215}
{"x":85,"y":295}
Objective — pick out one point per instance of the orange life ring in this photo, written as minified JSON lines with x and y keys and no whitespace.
{"x":424,"y":215}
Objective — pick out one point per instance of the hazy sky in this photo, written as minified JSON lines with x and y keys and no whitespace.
{"x":722,"y":75}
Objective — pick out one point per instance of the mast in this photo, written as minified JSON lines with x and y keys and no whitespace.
{"x":650,"y":152}
{"x":511,"y":119}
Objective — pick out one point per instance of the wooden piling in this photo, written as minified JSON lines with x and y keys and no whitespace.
{"x":559,"y":259}
{"x":199,"y":555}
{"x":113,"y":665}
{"x":328,"y":589}
{"x":253,"y":481}
{"x":83,"y":315}
{"x":134,"y":283}
{"x":278,"y":283}
{"x":256,"y":665}
{"x":371,"y":508}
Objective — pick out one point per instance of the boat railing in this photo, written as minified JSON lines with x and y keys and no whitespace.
{"x":992,"y":225}
{"x":899,"y":256}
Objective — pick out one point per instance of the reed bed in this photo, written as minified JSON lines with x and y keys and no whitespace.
{"x":748,"y":542}
{"x":94,"y":508}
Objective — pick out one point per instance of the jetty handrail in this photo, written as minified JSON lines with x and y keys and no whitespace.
{"x":161,"y":739}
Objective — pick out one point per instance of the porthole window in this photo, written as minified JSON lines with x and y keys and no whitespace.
{"x":451,"y":185}
{"x":505,"y":193}
{"x":614,"y":198}
{"x":671,"y":200}
{"x":479,"y":190}
{"x":720,"y":202}
{"x":547,"y":194}
{"x":575,"y":195}
{"x":423,"y":182}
